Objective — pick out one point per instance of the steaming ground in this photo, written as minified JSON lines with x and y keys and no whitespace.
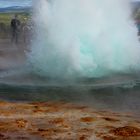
{"x":17,"y":83}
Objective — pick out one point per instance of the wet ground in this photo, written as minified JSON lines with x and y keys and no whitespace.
{"x":64,"y":121}
{"x":11,"y":55}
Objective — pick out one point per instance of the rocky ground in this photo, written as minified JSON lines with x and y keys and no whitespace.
{"x":64,"y":121}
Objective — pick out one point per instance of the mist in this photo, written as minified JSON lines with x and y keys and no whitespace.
{"x":78,"y":38}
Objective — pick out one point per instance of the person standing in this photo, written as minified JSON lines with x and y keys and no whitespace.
{"x":15,"y":28}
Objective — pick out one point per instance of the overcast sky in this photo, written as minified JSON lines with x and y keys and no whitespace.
{"x":9,"y":3}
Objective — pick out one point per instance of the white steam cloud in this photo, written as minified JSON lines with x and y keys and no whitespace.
{"x":84,"y":38}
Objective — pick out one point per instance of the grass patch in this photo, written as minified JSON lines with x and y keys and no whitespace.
{"x":5,"y":18}
{"x":5,"y":22}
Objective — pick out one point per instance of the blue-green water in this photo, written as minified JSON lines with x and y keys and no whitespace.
{"x":118,"y":93}
{"x":111,"y":97}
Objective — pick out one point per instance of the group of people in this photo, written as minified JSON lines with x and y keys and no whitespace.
{"x":17,"y":28}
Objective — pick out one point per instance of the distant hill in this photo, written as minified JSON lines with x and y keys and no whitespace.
{"x":15,"y":9}
{"x":135,"y":5}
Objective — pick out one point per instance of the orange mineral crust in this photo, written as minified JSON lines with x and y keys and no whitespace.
{"x":64,"y":121}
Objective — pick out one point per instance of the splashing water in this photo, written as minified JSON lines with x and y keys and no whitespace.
{"x":84,"y":38}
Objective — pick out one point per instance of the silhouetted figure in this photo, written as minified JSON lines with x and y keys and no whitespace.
{"x":26,"y":33}
{"x":15,"y":28}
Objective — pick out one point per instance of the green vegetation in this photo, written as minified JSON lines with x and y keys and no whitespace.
{"x":5,"y":18}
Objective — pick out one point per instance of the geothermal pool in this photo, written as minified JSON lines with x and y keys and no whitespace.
{"x":118,"y":93}
{"x":79,"y":79}
{"x":85,"y":54}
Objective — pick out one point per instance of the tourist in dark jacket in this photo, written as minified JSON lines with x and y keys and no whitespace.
{"x":15,"y":28}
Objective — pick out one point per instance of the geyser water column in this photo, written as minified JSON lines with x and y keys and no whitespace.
{"x":84,"y":38}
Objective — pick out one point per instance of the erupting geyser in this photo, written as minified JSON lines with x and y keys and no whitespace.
{"x":84,"y":38}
